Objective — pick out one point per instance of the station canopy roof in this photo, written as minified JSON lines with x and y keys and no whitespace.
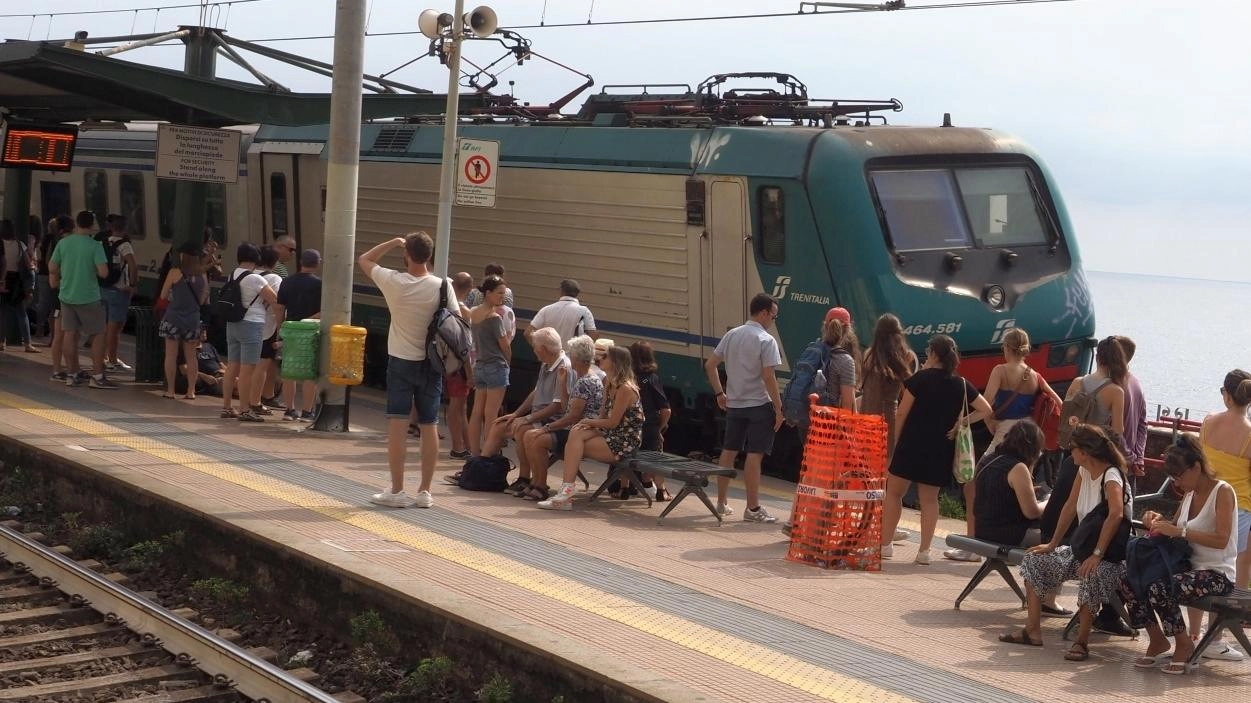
{"x":47,"y":82}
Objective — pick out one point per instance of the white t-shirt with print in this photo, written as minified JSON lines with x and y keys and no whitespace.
{"x":250,"y":288}
{"x":411,"y":301}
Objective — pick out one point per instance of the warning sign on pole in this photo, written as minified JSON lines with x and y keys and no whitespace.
{"x":477,"y":162}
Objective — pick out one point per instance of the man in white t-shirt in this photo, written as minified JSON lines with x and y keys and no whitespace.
{"x":412,"y":296}
{"x":567,"y":316}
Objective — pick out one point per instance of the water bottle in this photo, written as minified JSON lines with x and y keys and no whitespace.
{"x":819,"y":384}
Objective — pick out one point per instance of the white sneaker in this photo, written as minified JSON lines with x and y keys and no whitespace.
{"x":901,"y":536}
{"x":888,"y":551}
{"x":961,"y":555}
{"x":393,"y":500}
{"x":650,"y":491}
{"x":923,"y":557}
{"x":758,"y":515}
{"x":724,"y":509}
{"x":1223,"y":651}
{"x":561,"y":500}
{"x":423,"y":500}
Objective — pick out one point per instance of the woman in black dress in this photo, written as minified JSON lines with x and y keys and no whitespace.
{"x":932,"y":404}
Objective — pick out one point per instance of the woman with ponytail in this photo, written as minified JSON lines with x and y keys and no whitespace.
{"x":1225,"y":438}
{"x":888,"y":362}
{"x":1101,"y":477}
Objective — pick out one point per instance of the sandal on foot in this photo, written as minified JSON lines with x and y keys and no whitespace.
{"x":1151,"y":661}
{"x":228,"y":413}
{"x":1020,"y":637}
{"x":1177,"y":668}
{"x":662,"y":495}
{"x":171,"y":396}
{"x":1079,"y":652}
{"x":188,"y":397}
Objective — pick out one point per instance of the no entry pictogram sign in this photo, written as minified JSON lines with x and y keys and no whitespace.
{"x":475,"y":179}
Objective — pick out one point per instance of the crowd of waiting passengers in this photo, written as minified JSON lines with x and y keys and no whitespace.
{"x":596,"y":400}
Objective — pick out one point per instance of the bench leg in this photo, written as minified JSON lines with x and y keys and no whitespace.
{"x":1224,"y":620}
{"x":582,"y":478}
{"x":614,"y":475}
{"x":1117,"y":605}
{"x":987,"y":567}
{"x":689,"y":489}
{"x":637,"y":484}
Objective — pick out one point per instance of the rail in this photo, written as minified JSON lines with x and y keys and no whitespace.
{"x":228,"y":664}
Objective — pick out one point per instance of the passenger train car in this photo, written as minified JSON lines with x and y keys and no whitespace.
{"x":672,"y":211}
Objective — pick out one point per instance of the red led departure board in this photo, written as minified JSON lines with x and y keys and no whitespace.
{"x":44,"y":147}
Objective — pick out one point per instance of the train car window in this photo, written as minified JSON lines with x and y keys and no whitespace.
{"x":214,"y":215}
{"x":922,"y":209}
{"x":771,"y":204}
{"x":1001,"y":206}
{"x":278,"y":204}
{"x":130,"y":190}
{"x":96,"y":194}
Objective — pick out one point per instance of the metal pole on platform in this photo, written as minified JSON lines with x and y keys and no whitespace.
{"x":342,"y":171}
{"x":447,"y":173}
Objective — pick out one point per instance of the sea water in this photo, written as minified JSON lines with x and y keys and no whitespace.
{"x":1189,"y":333}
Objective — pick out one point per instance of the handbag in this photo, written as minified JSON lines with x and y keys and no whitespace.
{"x":1086,"y":536}
{"x":964,"y":463}
{"x":1155,"y":558}
{"x":1046,"y":414}
{"x":485,"y":473}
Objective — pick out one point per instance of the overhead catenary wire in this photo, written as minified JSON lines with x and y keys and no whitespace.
{"x":120,"y":10}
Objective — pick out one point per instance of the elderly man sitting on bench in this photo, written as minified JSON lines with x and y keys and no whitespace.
{"x":542,"y":406}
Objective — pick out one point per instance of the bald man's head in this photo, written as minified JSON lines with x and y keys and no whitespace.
{"x":462,"y":283}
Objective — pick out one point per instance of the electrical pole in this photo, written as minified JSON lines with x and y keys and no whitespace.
{"x":342,"y":172}
{"x":447,"y":174}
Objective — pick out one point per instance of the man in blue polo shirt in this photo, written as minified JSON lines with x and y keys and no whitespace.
{"x":750,"y":399}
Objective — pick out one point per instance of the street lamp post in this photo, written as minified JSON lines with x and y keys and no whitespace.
{"x":451,"y":30}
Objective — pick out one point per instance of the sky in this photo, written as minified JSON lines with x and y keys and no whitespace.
{"x":1139,"y":107}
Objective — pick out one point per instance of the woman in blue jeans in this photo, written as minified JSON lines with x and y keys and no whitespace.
{"x":492,"y":358}
{"x":243,"y":338}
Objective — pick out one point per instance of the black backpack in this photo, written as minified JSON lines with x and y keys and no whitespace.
{"x":486,"y":473}
{"x":114,"y":263}
{"x":447,"y":337}
{"x":229,"y":305}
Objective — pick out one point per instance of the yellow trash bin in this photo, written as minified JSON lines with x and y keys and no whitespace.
{"x":347,"y":355}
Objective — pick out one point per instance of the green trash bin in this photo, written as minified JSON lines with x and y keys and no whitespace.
{"x":149,"y":347}
{"x":300,"y":342}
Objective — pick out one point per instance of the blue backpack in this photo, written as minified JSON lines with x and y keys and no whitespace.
{"x":1155,"y":558}
{"x":816,"y":357}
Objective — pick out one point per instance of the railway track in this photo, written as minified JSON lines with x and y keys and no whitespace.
{"x":69,"y":634}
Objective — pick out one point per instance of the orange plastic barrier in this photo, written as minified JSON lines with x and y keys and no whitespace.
{"x":837,"y":518}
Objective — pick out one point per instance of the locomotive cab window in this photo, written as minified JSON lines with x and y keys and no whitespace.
{"x":278,"y":204}
{"x":771,"y":204}
{"x":959,"y":208}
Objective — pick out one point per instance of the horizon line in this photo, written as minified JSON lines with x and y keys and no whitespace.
{"x":1162,"y":275}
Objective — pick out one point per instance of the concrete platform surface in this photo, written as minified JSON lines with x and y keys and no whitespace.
{"x":687,"y":611}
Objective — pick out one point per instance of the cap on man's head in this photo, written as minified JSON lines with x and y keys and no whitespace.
{"x":310,"y":259}
{"x":840,"y":313}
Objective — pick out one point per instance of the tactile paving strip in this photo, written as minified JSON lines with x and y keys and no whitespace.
{"x":808,"y":659}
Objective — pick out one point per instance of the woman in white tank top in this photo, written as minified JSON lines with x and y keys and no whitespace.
{"x":1206,"y":521}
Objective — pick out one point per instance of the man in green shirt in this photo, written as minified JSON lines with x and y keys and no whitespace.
{"x":78,"y":263}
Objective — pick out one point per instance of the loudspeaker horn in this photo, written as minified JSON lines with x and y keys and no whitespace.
{"x":482,"y":21}
{"x":432,"y":22}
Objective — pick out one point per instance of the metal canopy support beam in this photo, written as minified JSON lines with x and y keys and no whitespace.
{"x":227,"y":51}
{"x":342,"y":174}
{"x":311,"y":64}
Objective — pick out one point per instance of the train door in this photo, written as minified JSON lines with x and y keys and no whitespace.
{"x":726,"y":272}
{"x":54,"y":199}
{"x":280,"y":186}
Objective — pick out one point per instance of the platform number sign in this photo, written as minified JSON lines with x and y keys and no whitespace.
{"x":477,"y":163}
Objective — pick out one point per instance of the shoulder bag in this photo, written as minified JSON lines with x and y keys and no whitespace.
{"x":964,"y":463}
{"x":1086,"y":536}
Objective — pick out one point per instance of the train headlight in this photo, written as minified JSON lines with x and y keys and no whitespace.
{"x":996,"y":297}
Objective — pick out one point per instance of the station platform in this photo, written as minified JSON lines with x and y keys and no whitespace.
{"x":684,"y":611}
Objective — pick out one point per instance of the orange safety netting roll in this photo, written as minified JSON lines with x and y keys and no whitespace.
{"x":838,"y":503}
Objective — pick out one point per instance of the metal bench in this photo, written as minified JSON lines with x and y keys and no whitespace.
{"x":693,"y":474}
{"x":995,"y":557}
{"x":1231,"y":612}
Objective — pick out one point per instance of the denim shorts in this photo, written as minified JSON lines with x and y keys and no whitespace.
{"x":243,"y":341}
{"x":1243,"y":526}
{"x":749,"y":429}
{"x":490,"y":376}
{"x":412,"y":383}
{"x":116,"y":304}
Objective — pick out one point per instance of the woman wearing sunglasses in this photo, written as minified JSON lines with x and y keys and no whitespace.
{"x":1206,"y":521}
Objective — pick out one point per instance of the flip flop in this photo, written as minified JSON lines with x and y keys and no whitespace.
{"x":1079,"y":652}
{"x":1177,"y":668}
{"x":1151,"y":661}
{"x":168,"y":395}
{"x":1020,"y":637}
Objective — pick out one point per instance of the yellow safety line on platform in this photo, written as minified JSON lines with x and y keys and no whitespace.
{"x":640,"y":616}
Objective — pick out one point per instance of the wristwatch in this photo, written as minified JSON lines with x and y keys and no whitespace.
{"x":1098,"y":552}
